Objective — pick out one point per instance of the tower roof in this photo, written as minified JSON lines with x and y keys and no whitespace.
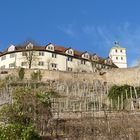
{"x":117,"y":46}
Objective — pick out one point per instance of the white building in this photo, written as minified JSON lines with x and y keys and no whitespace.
{"x":118,"y":56}
{"x":52,"y":57}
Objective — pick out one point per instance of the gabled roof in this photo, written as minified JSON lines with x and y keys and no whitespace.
{"x":57,"y":49}
{"x":60,"y":49}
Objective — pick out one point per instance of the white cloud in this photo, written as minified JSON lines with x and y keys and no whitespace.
{"x":68,"y":30}
{"x":127,"y":35}
{"x":103,"y":37}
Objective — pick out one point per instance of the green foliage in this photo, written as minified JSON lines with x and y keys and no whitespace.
{"x":21,"y":73}
{"x":124,"y":92}
{"x":30,"y":109}
{"x":29,"y":133}
{"x":10,"y":78}
{"x":36,"y":76}
{"x":44,"y":98}
{"x":2,"y":84}
{"x":18,"y":132}
{"x":10,"y":132}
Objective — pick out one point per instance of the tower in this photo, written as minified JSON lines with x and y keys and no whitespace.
{"x":118,"y":55}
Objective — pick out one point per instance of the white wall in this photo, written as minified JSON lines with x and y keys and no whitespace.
{"x":61,"y":61}
{"x":118,"y":56}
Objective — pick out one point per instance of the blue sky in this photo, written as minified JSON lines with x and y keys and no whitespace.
{"x":91,"y":25}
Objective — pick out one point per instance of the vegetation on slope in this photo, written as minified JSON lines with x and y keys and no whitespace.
{"x":27,"y":116}
{"x":120,"y":94}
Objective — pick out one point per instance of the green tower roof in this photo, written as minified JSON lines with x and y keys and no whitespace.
{"x":117,"y":46}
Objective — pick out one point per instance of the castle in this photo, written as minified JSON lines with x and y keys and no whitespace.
{"x":54,"y":57}
{"x":118,"y":55}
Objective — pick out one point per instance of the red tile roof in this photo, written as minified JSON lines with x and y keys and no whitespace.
{"x":57,"y":49}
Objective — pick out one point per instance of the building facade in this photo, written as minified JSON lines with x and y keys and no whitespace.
{"x":118,"y":56}
{"x":52,"y":57}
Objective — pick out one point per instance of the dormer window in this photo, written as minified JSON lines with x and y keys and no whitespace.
{"x":11,"y":48}
{"x":85,"y":55}
{"x":70,"y":52}
{"x":95,"y":57}
{"x":50,"y":47}
{"x":108,"y":61}
{"x":29,"y":46}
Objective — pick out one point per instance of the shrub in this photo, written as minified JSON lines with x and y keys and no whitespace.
{"x":18,"y":132}
{"x":21,"y":73}
{"x":36,"y":76}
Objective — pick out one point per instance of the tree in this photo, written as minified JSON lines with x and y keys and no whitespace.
{"x":21,"y":73}
{"x":48,"y":63}
{"x":30,"y":54}
{"x":27,"y":116}
{"x":36,"y":76}
{"x":124,"y":92}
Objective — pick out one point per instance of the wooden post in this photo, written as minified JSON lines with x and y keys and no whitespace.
{"x":131,"y":93}
{"x":135,"y":93}
{"x":139,"y":103}
{"x":126,"y":94}
{"x":118,"y":103}
{"x":111,"y":105}
{"x":121,"y":101}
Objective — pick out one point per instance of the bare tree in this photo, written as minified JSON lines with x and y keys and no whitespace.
{"x":48,"y":63}
{"x":30,"y":55}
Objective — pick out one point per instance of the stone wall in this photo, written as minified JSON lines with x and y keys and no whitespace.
{"x":129,"y":76}
{"x":56,"y":75}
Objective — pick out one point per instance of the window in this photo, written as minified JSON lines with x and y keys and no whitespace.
{"x":86,"y":55}
{"x":69,"y":58}
{"x":29,"y":46}
{"x":41,"y":53}
{"x":69,"y":52}
{"x":116,"y":51}
{"x":11,"y":48}
{"x":41,"y":63}
{"x":121,"y":51}
{"x":99,"y":66}
{"x":3,"y":67}
{"x":23,"y":63}
{"x":3,"y":58}
{"x":53,"y":55}
{"x":50,"y":48}
{"x":121,"y":58}
{"x":54,"y":65}
{"x":24,"y":53}
{"x":12,"y":55}
{"x":84,"y":71}
{"x":83,"y":62}
{"x":11,"y":65}
{"x":69,"y":69}
{"x":116,"y":58}
{"x":106,"y":67}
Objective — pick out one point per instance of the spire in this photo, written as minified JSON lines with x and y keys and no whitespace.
{"x":116,"y":44}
